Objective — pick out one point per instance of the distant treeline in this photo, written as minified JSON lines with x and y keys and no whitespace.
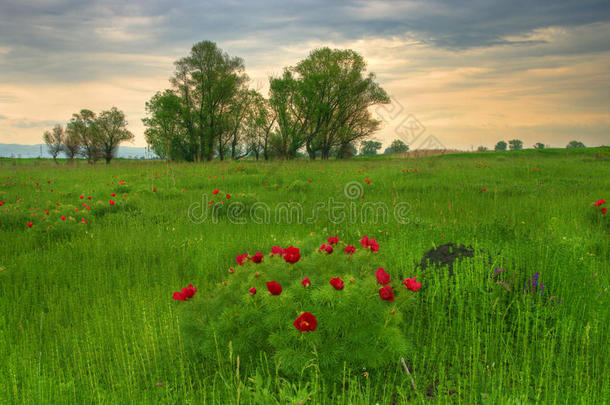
{"x":319,"y":107}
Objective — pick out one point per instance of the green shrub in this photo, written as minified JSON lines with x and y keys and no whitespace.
{"x":355,"y":327}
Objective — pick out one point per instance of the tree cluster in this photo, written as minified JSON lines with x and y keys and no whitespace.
{"x":319,"y":106}
{"x":92,"y":136}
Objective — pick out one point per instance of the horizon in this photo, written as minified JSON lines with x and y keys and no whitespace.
{"x":467,"y":76}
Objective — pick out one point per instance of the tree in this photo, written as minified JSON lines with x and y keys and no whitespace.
{"x":398,"y":146}
{"x":538,"y":145}
{"x":166,"y":127}
{"x":368,"y":148}
{"x":575,"y":144}
{"x":83,"y":124}
{"x":54,"y":140}
{"x":515,"y":144}
{"x":207,"y":81}
{"x":323,"y":102}
{"x":259,"y":121}
{"x":112,"y":128}
{"x":501,"y":146}
{"x":482,"y":149}
{"x":71,"y":146}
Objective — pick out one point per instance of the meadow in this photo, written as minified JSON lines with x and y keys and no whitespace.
{"x":86,"y":308}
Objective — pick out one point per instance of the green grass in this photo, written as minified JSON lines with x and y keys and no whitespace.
{"x":86,"y":313}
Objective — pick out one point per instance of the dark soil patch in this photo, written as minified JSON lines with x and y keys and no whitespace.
{"x":445,"y":255}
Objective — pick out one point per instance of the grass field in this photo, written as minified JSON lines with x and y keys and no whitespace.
{"x":86,"y":313}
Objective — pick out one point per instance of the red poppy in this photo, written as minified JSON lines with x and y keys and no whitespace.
{"x":228,"y":196}
{"x":600,"y":202}
{"x":337,"y":283}
{"x":252,"y":290}
{"x":292,"y":254}
{"x":89,"y":197}
{"x":113,"y":194}
{"x":1,"y":203}
{"x":349,"y":249}
{"x":154,"y":189}
{"x":411,"y":284}
{"x":325,"y":248}
{"x":309,"y":180}
{"x":483,"y":189}
{"x":306,"y":322}
{"x":604,"y":210}
{"x":276,"y":250}
{"x":240,"y":259}
{"x":386,"y":293}
{"x":364,"y":241}
{"x":274,"y":288}
{"x":306,"y":282}
{"x":333,"y":240}
{"x":367,"y":181}
{"x":82,"y":196}
{"x":215,"y":192}
{"x":382,"y":277}
{"x":185,"y":294}
{"x":30,"y":224}
{"x":63,"y":218}
{"x":257,"y":258}
{"x":111,"y":202}
{"x":83,"y":220}
{"x":369,"y":243}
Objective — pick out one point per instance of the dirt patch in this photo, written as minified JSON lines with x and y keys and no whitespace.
{"x":445,"y":255}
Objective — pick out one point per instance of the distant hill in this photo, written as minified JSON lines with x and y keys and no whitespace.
{"x":40,"y":150}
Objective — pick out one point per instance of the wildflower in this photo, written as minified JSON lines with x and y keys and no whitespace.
{"x":333,"y":240}
{"x":349,"y":249}
{"x":369,"y":243}
{"x":111,"y":202}
{"x":367,"y":181}
{"x":274,"y":288}
{"x":276,"y":250}
{"x":252,"y":291}
{"x":257,"y":258}
{"x":83,"y":220}
{"x":113,"y":195}
{"x":154,"y":189}
{"x":325,"y":248}
{"x":411,"y":284}
{"x":185,"y":294}
{"x":382,"y":276}
{"x":240,"y":259}
{"x":604,"y":210}
{"x":292,"y":254}
{"x":386,"y":293}
{"x":228,"y":196}
{"x":82,"y":196}
{"x":306,"y":322}
{"x":30,"y":224}
{"x":306,"y":282}
{"x":337,"y":283}
{"x":63,"y":218}
{"x":215,"y":192}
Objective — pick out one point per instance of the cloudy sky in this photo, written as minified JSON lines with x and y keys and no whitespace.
{"x":461,"y":73}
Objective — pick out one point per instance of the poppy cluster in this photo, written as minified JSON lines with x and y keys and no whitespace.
{"x":599,"y":203}
{"x":369,"y":243}
{"x":185,"y":294}
{"x":325,"y":248}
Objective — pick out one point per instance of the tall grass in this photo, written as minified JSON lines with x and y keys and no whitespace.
{"x":86,"y":313}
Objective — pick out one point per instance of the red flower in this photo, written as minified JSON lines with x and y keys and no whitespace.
{"x":89,"y":197}
{"x":185,"y":294}
{"x":1,"y":203}
{"x":386,"y":293}
{"x":83,"y":220}
{"x":367,"y":181}
{"x":82,"y":196}
{"x":276,"y":250}
{"x":112,"y":195}
{"x":257,"y":258}
{"x":228,"y":196}
{"x":274,"y":288}
{"x":154,"y":189}
{"x":349,"y":249}
{"x":483,"y":189}
{"x":30,"y":224}
{"x":252,"y":290}
{"x":292,"y":254}
{"x":325,"y":248}
{"x":337,"y":283}
{"x":604,"y":210}
{"x":63,"y":218}
{"x":600,"y":202}
{"x":306,"y":322}
{"x":309,"y":180}
{"x":411,"y":284}
{"x":240,"y":259}
{"x":382,"y":277}
{"x":111,"y":202}
{"x":369,"y":243}
{"x":333,"y":240}
{"x":306,"y":282}
{"x":215,"y":192}
{"x":365,"y":241}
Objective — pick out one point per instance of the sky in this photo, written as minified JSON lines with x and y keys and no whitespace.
{"x":460,"y":73}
